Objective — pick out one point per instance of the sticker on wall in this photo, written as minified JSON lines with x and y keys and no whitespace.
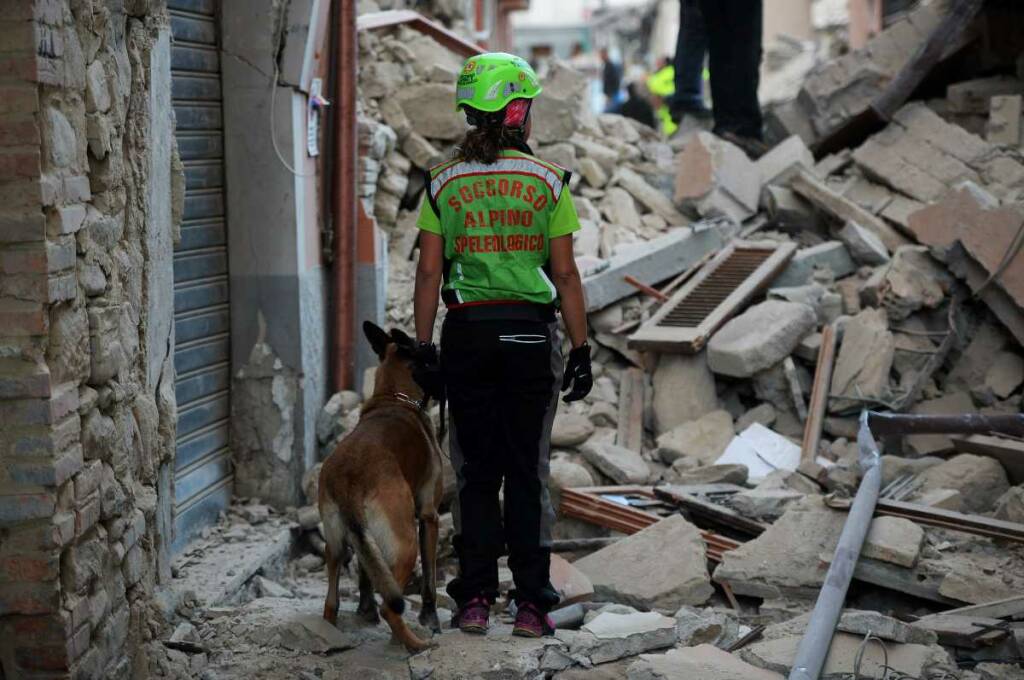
{"x":314,"y":107}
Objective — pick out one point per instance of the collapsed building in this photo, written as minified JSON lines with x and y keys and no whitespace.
{"x":744,"y":313}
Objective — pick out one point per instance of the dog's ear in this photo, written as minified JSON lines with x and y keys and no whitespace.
{"x":402,"y":339}
{"x":378,"y":338}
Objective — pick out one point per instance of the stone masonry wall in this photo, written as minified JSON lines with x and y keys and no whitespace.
{"x":87,"y":411}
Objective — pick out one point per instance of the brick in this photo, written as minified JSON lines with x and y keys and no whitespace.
{"x":64,"y":400}
{"x":22,"y":226}
{"x":21,"y":318}
{"x":53,"y":657}
{"x":18,"y":131}
{"x":41,"y":440}
{"x":36,"y":536}
{"x":20,"y":67}
{"x":42,"y":472}
{"x":23,"y":193}
{"x":135,"y":530}
{"x":62,"y":287}
{"x":23,"y":258}
{"x":29,"y":598}
{"x":65,"y":219}
{"x":18,"y":98}
{"x":45,"y":628}
{"x":84,"y":562}
{"x":64,"y":528}
{"x":31,"y":567}
{"x":87,"y":514}
{"x":15,"y":164}
{"x":23,"y":507}
{"x":23,"y":379}
{"x":17,"y":36}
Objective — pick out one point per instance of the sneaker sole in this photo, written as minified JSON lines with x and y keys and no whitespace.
{"x":473,"y":629}
{"x":526,"y":632}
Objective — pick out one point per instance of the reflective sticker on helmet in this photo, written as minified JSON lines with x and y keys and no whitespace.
{"x":492,"y":91}
{"x":464,"y":93}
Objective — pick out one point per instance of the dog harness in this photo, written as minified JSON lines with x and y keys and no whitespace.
{"x":497,"y":221}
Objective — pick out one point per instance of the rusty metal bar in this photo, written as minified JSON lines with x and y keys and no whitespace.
{"x":344,"y":209}
{"x":644,"y":288}
{"x":819,"y":394}
{"x":960,"y":423}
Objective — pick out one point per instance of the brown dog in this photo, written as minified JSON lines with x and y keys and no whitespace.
{"x":382,"y":477}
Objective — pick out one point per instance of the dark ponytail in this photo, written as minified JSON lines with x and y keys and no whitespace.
{"x":482,"y":144}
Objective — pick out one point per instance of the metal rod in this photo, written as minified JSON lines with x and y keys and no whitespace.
{"x":960,"y":423}
{"x":810,"y":655}
{"x":644,"y":288}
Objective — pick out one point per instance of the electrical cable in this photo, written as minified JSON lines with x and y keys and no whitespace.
{"x":273,"y":105}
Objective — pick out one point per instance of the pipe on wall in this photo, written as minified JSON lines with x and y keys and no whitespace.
{"x":345,"y":204}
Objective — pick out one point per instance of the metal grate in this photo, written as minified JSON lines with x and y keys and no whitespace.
{"x":694,"y":308}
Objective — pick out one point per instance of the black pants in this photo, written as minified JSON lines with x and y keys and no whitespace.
{"x":734,"y":58}
{"x":501,"y":380}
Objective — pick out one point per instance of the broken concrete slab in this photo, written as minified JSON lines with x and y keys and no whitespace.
{"x":830,"y":255}
{"x":715,"y":178}
{"x":1004,"y":120}
{"x":784,"y":560}
{"x":611,"y":636}
{"x":761,"y":451}
{"x":654,"y":200}
{"x":913,"y":660}
{"x":893,"y":539}
{"x":655,"y":261}
{"x":703,"y":662}
{"x":684,"y":390}
{"x":703,"y":439}
{"x":619,"y":208}
{"x":759,"y":338}
{"x":784,"y":160}
{"x":927,"y":444}
{"x":766,"y":504}
{"x":763,"y":413}
{"x":864,"y":360}
{"x":857,"y":622}
{"x":664,"y":566}
{"x":706,"y":626}
{"x":619,"y":463}
{"x":864,"y":246}
{"x":498,"y":654}
{"x":913,"y":280}
{"x":1010,"y":506}
{"x":979,"y":480}
{"x":1005,"y":374}
{"x":712,"y":474}
{"x":975,"y":95}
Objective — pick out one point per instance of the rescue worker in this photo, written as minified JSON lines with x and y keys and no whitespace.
{"x":661,"y":85}
{"x":496,"y":246}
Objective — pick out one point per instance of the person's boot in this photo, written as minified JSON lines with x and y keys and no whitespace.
{"x":532,"y":622}
{"x":473,"y":616}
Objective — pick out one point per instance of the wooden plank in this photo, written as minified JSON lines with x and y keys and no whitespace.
{"x":659,"y":333}
{"x":1010,"y":607}
{"x":1007,"y":451}
{"x":948,"y":519}
{"x":843,"y":209}
{"x":630,"y":434}
{"x":450,"y":40}
{"x":819,"y":395}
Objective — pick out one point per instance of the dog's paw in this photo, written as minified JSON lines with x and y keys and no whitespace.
{"x":429,"y":619}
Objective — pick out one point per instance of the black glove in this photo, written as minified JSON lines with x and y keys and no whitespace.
{"x":578,"y":374}
{"x":427,"y":370}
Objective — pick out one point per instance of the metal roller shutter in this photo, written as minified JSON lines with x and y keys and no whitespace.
{"x":202,"y":465}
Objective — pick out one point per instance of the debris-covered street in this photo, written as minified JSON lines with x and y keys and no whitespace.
{"x":802,"y":451}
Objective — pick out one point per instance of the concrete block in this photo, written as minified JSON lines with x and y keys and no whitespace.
{"x":654,"y":262}
{"x":716,"y":178}
{"x":706,"y":662}
{"x":664,"y":566}
{"x":654,"y":200}
{"x":783,"y":160}
{"x":864,"y":246}
{"x":684,"y":390}
{"x":979,"y":480}
{"x":832,"y":255}
{"x":759,"y":338}
{"x":1004,"y":120}
{"x":703,"y":439}
{"x":611,"y":636}
{"x":893,"y":539}
{"x":974,"y":96}
{"x":865,"y":358}
{"x":619,"y":463}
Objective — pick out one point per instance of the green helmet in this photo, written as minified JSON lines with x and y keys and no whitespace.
{"x":489,"y":81}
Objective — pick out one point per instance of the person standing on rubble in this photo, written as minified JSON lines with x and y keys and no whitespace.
{"x":496,"y":247}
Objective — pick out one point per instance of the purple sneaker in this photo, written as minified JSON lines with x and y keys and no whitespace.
{"x":473,"y":616}
{"x":530,"y":622}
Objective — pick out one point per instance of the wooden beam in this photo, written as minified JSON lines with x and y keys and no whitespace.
{"x":843,"y":209}
{"x":1010,"y":607}
{"x":819,"y":394}
{"x":632,"y":385}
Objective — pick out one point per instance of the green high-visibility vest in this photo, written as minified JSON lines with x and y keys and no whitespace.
{"x":497,"y":221}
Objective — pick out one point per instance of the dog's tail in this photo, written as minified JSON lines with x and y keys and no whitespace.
{"x":372,"y":560}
